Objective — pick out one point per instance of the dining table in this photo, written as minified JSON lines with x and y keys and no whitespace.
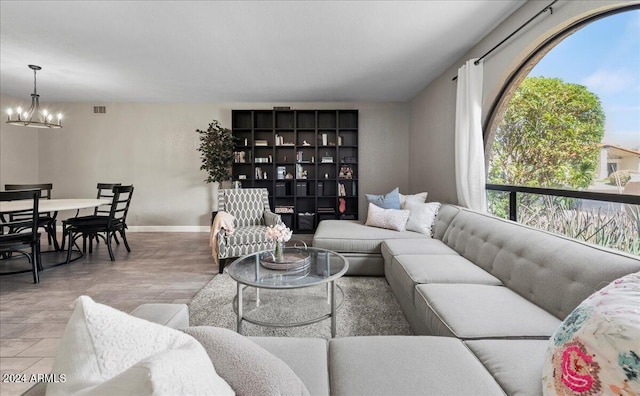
{"x":55,"y":206}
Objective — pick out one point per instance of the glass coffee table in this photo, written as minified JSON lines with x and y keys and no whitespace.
{"x":290,"y":297}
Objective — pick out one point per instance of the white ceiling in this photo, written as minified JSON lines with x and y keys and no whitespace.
{"x":236,"y":51}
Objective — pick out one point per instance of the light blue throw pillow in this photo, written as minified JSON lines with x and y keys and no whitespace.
{"x":390,"y":200}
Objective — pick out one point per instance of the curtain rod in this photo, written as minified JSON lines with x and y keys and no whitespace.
{"x":545,"y":9}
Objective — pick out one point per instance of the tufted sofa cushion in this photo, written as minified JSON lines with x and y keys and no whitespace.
{"x":554,"y":272}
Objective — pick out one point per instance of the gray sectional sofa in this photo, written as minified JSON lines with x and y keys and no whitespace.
{"x":483,"y":296}
{"x":491,"y":286}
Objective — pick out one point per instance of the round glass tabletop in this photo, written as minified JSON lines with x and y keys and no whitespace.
{"x":323,"y":266}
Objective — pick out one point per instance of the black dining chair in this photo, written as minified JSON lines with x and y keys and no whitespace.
{"x":46,"y":220}
{"x":21,"y":235}
{"x":105,"y":191}
{"x":103,"y":227}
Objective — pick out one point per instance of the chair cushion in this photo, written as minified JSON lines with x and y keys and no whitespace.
{"x":82,"y":219}
{"x":468,"y":311}
{"x":249,"y":235}
{"x":87,"y":221}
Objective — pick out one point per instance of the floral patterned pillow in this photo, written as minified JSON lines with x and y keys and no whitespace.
{"x":596,"y":350}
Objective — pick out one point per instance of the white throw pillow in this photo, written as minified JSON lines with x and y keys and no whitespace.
{"x":105,"y":351}
{"x":392,"y":219}
{"x":422,"y":216}
{"x":596,"y":349}
{"x":419,"y":197}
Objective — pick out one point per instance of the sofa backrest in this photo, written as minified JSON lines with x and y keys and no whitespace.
{"x":246,"y":204}
{"x":446,"y":213}
{"x":552,"y":271}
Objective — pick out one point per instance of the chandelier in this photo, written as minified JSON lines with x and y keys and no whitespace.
{"x":34,"y":117}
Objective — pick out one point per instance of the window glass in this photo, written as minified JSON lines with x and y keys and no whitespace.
{"x":574,"y":123}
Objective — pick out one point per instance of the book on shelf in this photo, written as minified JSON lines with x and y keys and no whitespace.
{"x":341,"y":190}
{"x":261,"y":142}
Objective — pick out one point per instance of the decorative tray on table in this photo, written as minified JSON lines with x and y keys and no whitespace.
{"x":292,"y":260}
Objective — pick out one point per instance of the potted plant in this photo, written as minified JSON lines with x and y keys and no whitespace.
{"x":216,"y":152}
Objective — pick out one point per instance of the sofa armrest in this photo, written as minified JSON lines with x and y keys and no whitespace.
{"x":271,"y":219}
{"x":172,"y":315}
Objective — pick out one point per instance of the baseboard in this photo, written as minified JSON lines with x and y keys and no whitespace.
{"x":163,"y":229}
{"x":168,"y":229}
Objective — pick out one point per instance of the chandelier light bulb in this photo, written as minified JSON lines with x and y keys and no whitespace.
{"x":49,"y":117}
{"x":45,"y":112}
{"x":19,"y":110}
{"x":9,"y":111}
{"x":25,"y":115}
{"x":59,"y":117}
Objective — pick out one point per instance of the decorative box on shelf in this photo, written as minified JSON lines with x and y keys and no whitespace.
{"x":306,"y":221}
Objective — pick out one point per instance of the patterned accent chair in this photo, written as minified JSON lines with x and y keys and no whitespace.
{"x":250,"y":207}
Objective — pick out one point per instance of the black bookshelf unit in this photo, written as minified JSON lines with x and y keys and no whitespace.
{"x":306,"y":159}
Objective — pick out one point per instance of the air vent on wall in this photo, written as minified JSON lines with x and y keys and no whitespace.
{"x":99,"y":110}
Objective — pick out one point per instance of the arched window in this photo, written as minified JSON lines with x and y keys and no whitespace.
{"x":570,"y":119}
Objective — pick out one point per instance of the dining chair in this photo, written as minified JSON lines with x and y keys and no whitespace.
{"x":46,"y":220}
{"x":250,"y":207}
{"x":18,"y":235}
{"x":104,"y":227}
{"x":105,"y":190}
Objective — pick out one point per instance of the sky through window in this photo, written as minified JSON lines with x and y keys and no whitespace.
{"x":604,"y":56}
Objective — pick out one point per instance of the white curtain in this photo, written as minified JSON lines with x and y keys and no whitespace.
{"x":469,"y":147}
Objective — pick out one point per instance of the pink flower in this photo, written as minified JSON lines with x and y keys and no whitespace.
{"x":280,"y":232}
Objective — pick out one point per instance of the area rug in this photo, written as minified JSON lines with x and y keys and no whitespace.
{"x":369,"y":308}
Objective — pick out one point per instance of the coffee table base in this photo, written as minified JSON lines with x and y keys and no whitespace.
{"x":333,"y":300}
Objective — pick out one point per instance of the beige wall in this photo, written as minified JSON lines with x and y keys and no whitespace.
{"x":154,"y":147}
{"x":432,"y":112}
{"x":18,"y":150}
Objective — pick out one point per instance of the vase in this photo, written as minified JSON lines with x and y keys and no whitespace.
{"x":279,"y":252}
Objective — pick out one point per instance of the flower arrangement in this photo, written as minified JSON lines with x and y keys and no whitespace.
{"x":279,"y":233}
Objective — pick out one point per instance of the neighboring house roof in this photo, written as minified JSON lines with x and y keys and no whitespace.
{"x":619,"y":150}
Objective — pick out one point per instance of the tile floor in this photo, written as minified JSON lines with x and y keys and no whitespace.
{"x":162,"y":267}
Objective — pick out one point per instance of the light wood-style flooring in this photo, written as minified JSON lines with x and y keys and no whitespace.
{"x":162,"y":268}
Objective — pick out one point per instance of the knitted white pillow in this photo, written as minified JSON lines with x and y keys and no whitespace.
{"x":596,"y":349}
{"x":393,"y":219}
{"x":422,"y":216}
{"x":105,"y":351}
